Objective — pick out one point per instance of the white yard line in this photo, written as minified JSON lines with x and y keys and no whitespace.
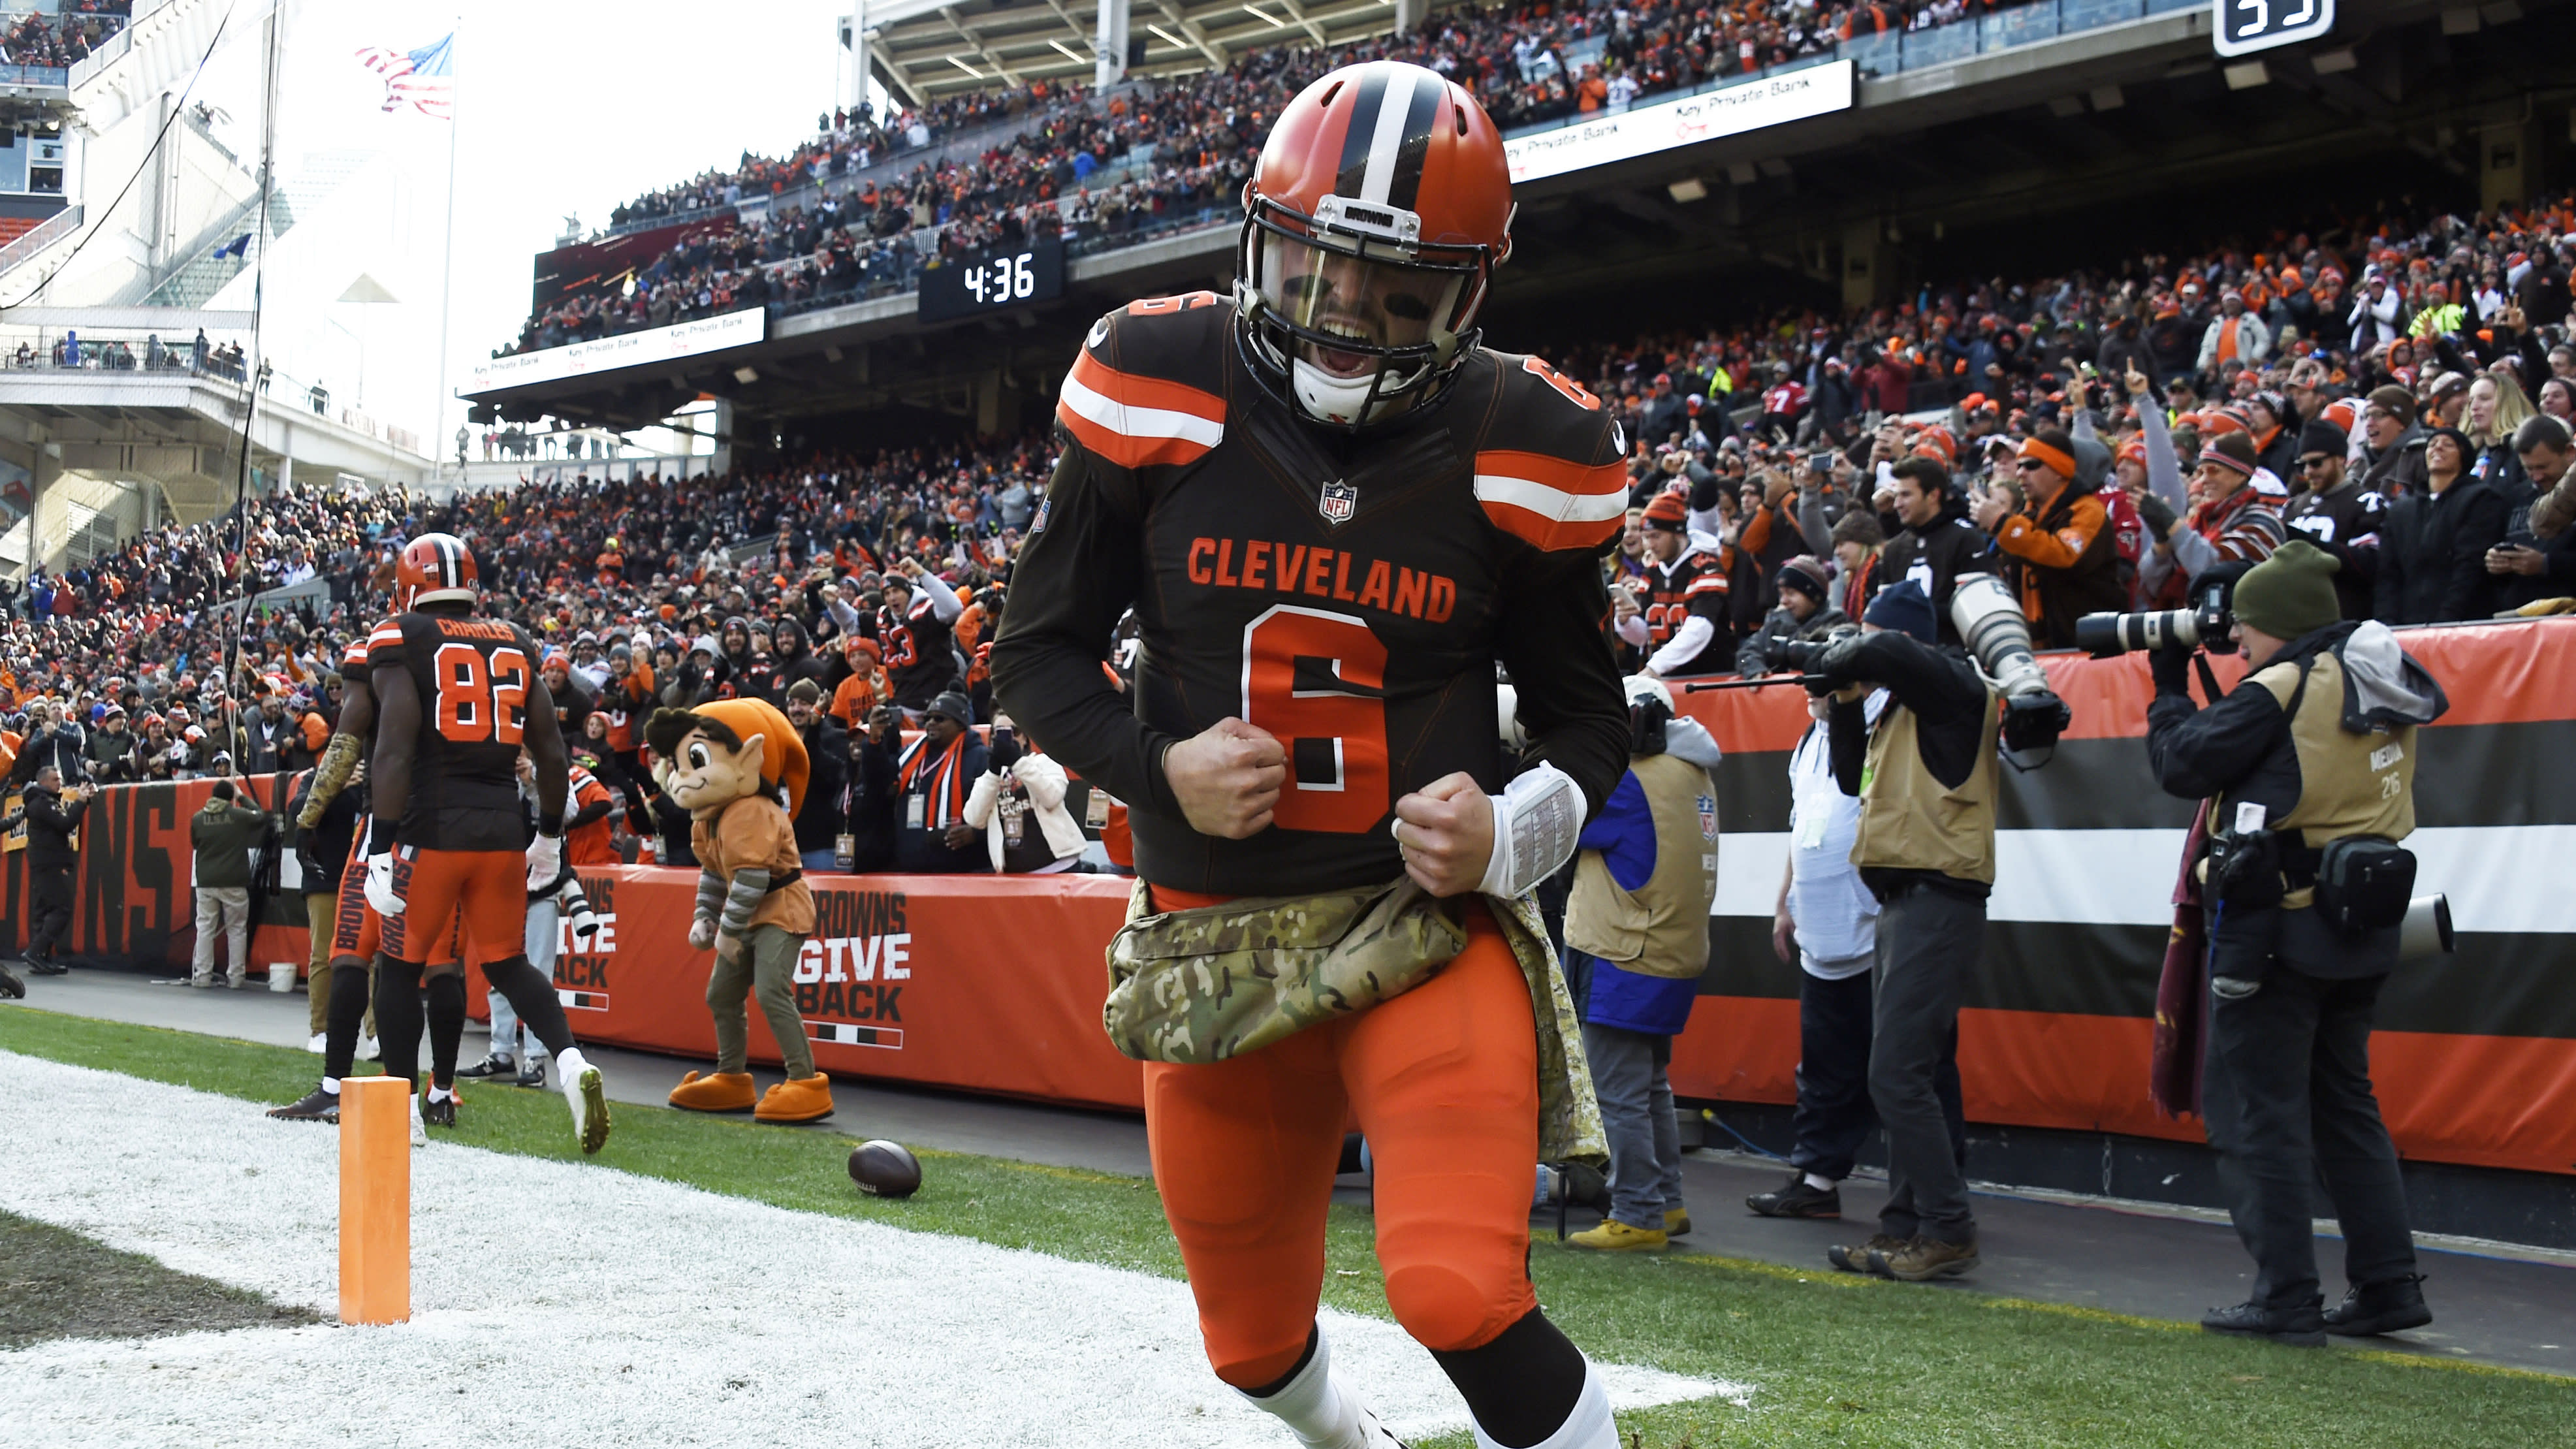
{"x":571,"y":1304}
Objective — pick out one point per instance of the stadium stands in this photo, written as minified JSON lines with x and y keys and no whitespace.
{"x":43,"y":38}
{"x":843,"y":218}
{"x":1996,"y":360}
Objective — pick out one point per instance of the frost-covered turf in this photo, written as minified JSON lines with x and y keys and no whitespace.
{"x":574,"y":1304}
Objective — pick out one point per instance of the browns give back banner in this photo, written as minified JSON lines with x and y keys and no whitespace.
{"x":994,"y":984}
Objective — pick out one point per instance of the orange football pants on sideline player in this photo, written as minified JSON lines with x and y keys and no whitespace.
{"x":1444,"y":1083}
{"x":482,"y":893}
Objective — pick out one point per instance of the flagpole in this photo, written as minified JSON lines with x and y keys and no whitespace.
{"x":447,"y":267}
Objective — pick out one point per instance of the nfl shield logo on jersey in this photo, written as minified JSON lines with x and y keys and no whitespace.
{"x":1339,"y":502}
{"x":1707,"y":817}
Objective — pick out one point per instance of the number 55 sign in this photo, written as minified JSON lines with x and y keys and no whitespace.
{"x":2241,"y":26}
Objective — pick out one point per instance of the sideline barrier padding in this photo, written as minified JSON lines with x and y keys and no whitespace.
{"x":1002,"y":983}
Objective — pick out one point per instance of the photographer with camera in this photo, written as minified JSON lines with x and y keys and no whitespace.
{"x":1924,"y":772}
{"x":2307,"y":770}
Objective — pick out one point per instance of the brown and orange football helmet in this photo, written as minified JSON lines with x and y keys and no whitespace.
{"x":434,"y":568}
{"x":1373,"y":223}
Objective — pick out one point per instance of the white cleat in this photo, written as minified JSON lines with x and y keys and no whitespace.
{"x":419,"y":1133}
{"x":588,"y":1095}
{"x":368,"y":1051}
{"x":320,"y":1043}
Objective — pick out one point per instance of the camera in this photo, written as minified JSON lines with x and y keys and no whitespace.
{"x":1786,"y":654}
{"x":1991,"y":624}
{"x":2202,"y":624}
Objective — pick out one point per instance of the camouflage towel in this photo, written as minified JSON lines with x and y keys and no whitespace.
{"x":1203,"y":985}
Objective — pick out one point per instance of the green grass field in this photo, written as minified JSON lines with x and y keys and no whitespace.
{"x":1837,"y":1360}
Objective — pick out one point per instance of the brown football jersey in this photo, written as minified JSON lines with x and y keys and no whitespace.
{"x":1351,"y":595}
{"x":472,"y":676}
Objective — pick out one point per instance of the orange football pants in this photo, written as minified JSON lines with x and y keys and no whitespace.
{"x":475,"y":899}
{"x":1444,"y":1083}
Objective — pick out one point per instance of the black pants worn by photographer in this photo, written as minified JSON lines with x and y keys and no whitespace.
{"x":2299,"y":780}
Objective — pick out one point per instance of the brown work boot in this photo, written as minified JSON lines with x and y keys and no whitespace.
{"x":1922,"y":1259}
{"x":1859,"y":1259}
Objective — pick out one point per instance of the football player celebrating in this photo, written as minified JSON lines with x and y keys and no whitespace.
{"x":456,"y":698}
{"x":1333,"y":512}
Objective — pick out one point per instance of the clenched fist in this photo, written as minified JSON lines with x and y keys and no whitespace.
{"x":1447,"y":831}
{"x":1227,"y":778}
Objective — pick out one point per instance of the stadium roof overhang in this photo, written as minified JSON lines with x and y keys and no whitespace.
{"x":926,"y":49}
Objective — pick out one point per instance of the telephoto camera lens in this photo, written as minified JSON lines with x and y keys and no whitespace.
{"x":1990,"y":620}
{"x":2105,"y":635}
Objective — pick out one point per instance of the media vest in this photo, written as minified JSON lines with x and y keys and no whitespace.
{"x":1909,"y":820}
{"x":2349,"y":784}
{"x":1660,"y":928}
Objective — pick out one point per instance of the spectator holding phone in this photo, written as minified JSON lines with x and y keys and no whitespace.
{"x":1019,"y":805}
{"x":2529,"y":565}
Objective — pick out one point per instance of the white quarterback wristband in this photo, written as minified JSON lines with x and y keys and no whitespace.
{"x":1537,"y":820}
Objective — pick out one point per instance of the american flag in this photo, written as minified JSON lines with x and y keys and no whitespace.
{"x":423,"y":79}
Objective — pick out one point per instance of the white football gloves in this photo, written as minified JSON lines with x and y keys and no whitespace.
{"x":380,"y":885}
{"x":545,"y":863}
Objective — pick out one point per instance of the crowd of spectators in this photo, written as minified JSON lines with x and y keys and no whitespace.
{"x":2397,"y":391}
{"x":845,"y":141}
{"x":122,"y":669}
{"x":1154,"y":153}
{"x":44,"y":38}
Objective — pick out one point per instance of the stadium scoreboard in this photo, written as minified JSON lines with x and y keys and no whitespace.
{"x":2239,"y":27}
{"x":993,"y":281}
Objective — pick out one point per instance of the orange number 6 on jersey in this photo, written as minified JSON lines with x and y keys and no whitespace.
{"x":1581,"y":396}
{"x":479,"y":701}
{"x":1335,"y":736}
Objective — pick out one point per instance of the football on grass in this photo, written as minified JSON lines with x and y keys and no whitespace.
{"x":885,"y":1169}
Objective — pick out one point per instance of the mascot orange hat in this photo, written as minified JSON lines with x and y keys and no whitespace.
{"x":782,"y":756}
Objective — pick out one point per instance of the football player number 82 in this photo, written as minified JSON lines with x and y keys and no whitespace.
{"x":1313,"y":679}
{"x":479,"y":702}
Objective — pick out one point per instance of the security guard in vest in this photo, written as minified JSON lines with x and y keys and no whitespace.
{"x":1925,"y":777}
{"x":1636,"y":941}
{"x":2308,"y":771}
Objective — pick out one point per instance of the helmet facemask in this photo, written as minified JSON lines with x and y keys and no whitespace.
{"x":1348,"y":317}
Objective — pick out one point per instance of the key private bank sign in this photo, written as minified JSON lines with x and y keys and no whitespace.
{"x":1772,"y":100}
